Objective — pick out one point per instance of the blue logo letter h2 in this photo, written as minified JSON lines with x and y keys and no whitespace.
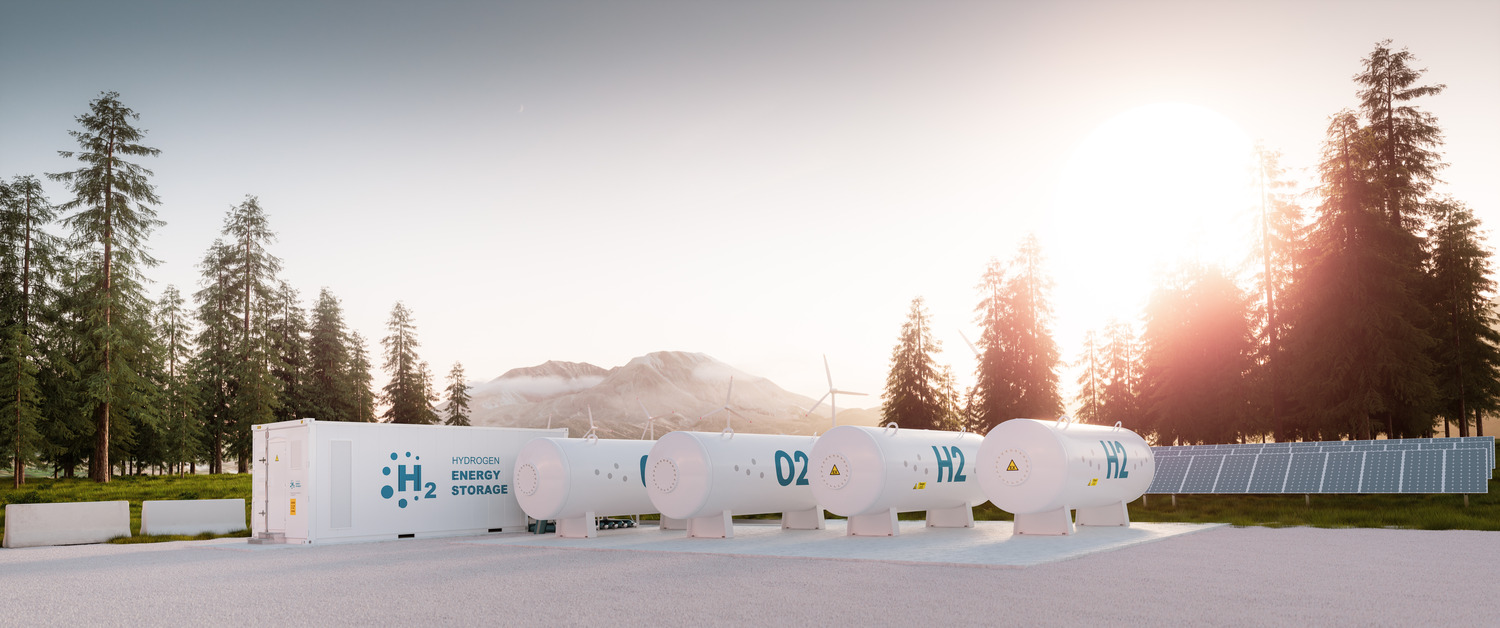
{"x":415,"y":477}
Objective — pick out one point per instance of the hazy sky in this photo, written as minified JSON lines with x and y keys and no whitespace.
{"x":763,"y":182}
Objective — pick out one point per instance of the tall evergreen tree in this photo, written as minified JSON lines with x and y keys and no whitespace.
{"x":254,"y":397}
{"x":331,"y":395}
{"x":914,"y":388}
{"x":1356,"y":344}
{"x":215,"y":363}
{"x":1403,"y":159}
{"x":428,"y":386}
{"x":1120,"y":393}
{"x":27,"y":212}
{"x":181,"y":430}
{"x":1018,"y":361}
{"x":20,"y":400}
{"x":405,"y":395}
{"x":112,"y":199}
{"x":1280,"y":234}
{"x":1090,"y":381}
{"x":458,"y":396}
{"x":1467,"y":348}
{"x":1197,"y":348}
{"x":287,"y":330}
{"x":361,"y":378}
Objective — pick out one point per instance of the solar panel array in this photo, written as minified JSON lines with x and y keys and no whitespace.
{"x":1414,"y":465}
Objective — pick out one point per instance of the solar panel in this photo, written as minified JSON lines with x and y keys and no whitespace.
{"x":1465,"y":472}
{"x":1306,"y":473}
{"x":1442,"y":465}
{"x":1342,"y":474}
{"x":1202,"y":475}
{"x":1169,"y":474}
{"x":1382,"y":472}
{"x":1422,"y":472}
{"x":1234,"y":476}
{"x":1270,"y":473}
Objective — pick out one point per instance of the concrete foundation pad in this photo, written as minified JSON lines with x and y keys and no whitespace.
{"x":988,"y":543}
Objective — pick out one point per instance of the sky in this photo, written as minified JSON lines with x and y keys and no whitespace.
{"x":763,"y":182}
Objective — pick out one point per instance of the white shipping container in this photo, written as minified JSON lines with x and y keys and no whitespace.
{"x":328,"y":481}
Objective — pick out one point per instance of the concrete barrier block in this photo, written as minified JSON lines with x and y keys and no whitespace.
{"x":192,"y":516}
{"x":75,"y":523}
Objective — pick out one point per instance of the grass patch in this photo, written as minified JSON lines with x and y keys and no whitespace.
{"x":134,"y":489}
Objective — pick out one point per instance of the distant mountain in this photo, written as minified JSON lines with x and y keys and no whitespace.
{"x":690,"y":385}
{"x":536,"y":383}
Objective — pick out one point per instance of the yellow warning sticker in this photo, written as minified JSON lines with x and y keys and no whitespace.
{"x":1094,"y":482}
{"x":278,"y":458}
{"x":1013,"y":466}
{"x":294,"y":505}
{"x":835,"y":470}
{"x":920,"y":485}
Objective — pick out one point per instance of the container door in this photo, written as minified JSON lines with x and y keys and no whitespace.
{"x":278,"y":484}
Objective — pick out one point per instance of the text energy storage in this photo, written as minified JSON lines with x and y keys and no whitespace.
{"x":1039,"y":470}
{"x":708,"y":477}
{"x":571,"y":480}
{"x":869,"y":474}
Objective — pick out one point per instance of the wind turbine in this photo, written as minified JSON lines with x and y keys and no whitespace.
{"x":832,"y":395}
{"x":726,"y":409}
{"x":651,"y":420}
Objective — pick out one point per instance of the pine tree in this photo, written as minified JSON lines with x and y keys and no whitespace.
{"x":181,"y":430}
{"x":113,"y":199}
{"x":914,"y":395}
{"x":20,"y":400}
{"x":330,"y":392}
{"x":1091,"y":380}
{"x":1197,"y":348}
{"x":361,"y":379}
{"x":1018,"y":361}
{"x":215,"y":363}
{"x":27,"y":212}
{"x":1468,"y":345}
{"x":1356,"y":346}
{"x":254,"y":396}
{"x":287,"y":330}
{"x":405,"y":395}
{"x":1280,"y":234}
{"x":1403,"y":157}
{"x":458,"y":396}
{"x":1120,"y":392}
{"x":429,"y":394}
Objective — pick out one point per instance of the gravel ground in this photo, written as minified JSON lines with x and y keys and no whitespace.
{"x":1222,"y":576}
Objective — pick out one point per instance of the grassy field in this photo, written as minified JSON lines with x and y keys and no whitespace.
{"x":1423,"y":512}
{"x":134,"y":489}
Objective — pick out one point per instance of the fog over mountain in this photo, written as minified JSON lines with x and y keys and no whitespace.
{"x":678,"y":388}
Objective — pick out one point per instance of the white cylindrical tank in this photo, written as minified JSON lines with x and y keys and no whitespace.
{"x":571,"y":480}
{"x":706,"y":477}
{"x":869,"y":474}
{"x":1038,"y":469}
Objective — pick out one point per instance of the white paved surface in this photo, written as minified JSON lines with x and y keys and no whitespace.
{"x":1222,"y":576}
{"x":988,"y":543}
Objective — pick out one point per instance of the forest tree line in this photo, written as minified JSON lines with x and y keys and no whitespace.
{"x":1368,"y":312}
{"x":94,"y":374}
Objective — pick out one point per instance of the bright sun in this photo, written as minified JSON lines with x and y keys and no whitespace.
{"x":1154,"y":186}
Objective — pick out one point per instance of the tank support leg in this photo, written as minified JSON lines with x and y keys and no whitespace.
{"x":668,"y":523}
{"x":1052,"y":522}
{"x":874,"y":524}
{"x":584,"y":527}
{"x":720,"y":526}
{"x":1114,"y":514}
{"x":811,"y":519}
{"x":959,"y":517}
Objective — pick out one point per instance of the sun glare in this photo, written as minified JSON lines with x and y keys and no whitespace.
{"x":1152,"y":187}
